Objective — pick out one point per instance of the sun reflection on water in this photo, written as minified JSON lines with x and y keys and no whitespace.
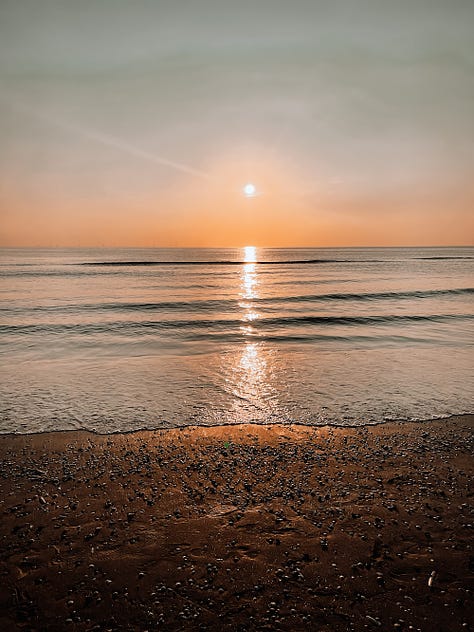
{"x":249,"y":376}
{"x":253,"y":365}
{"x":249,"y":316}
{"x":249,"y":281}
{"x":250,"y":254}
{"x":249,"y":290}
{"x":251,"y":383}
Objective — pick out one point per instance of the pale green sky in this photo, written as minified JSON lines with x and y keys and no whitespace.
{"x":137,"y":122}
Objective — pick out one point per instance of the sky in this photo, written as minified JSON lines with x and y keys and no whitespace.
{"x":139,"y":122}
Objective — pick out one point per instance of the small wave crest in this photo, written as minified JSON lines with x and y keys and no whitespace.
{"x":445,"y":258}
{"x":229,"y":262}
{"x":231,"y":303}
{"x":220,"y":324}
{"x":278,"y":262}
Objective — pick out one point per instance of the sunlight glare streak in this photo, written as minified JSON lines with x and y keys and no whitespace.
{"x":249,"y":282}
{"x":249,"y":316}
{"x":250,"y":254}
{"x":252,"y":362}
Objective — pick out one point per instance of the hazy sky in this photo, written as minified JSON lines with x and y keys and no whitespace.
{"x":138,"y":122}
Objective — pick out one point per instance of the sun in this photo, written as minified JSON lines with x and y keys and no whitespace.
{"x":250,"y":190}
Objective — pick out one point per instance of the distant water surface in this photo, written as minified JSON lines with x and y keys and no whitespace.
{"x":120,"y":339}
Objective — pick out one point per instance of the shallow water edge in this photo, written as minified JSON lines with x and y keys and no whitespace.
{"x":240,"y":425}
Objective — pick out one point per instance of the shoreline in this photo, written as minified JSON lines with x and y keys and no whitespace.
{"x":239,"y":527}
{"x":278,"y":424}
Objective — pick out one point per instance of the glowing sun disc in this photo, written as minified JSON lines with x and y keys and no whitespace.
{"x":250,"y":190}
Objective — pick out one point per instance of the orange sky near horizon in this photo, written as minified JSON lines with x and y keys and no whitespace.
{"x":216,"y":213}
{"x":262,"y":227}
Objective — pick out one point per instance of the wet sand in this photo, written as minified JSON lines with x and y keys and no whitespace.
{"x":239,"y":528}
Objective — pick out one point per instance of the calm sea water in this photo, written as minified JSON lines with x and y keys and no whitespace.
{"x":117,"y":340}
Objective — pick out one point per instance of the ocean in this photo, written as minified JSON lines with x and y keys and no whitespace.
{"x":116,"y":340}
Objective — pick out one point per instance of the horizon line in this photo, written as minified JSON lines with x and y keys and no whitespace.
{"x":240,"y":247}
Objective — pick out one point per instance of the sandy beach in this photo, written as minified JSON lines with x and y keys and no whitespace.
{"x":239,"y":528}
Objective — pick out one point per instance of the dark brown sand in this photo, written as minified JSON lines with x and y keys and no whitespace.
{"x":239,"y":528}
